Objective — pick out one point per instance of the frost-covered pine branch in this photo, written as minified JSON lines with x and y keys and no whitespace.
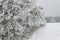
{"x":19,"y":19}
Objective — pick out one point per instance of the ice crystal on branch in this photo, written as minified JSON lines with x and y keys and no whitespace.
{"x":19,"y":19}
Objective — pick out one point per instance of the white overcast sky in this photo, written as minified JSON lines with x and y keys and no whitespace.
{"x":51,"y":7}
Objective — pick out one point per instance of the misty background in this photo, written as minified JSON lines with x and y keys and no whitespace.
{"x":51,"y":7}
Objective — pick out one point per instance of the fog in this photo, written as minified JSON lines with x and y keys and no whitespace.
{"x":51,"y":7}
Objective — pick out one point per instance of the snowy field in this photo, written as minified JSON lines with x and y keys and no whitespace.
{"x":50,"y":32}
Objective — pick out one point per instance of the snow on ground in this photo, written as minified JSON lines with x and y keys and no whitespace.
{"x":50,"y":32}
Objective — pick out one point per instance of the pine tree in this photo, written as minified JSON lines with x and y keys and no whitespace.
{"x":19,"y":19}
